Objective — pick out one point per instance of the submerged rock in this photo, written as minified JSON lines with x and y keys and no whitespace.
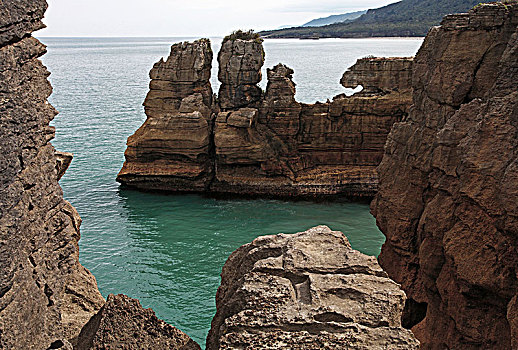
{"x":122,"y":323}
{"x":310,"y":290}
{"x":448,"y":199}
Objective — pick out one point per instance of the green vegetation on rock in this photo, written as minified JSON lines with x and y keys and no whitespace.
{"x":243,"y":35}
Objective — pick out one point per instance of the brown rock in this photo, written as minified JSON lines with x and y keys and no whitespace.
{"x":19,"y":18}
{"x":380,"y":75}
{"x":122,"y":323}
{"x":243,"y":118}
{"x":240,"y":63}
{"x":449,"y":185}
{"x":310,"y":290}
{"x":63,"y":161}
{"x":172,"y":150}
{"x":45,"y":294}
{"x":269,"y":145}
{"x":185,"y":72}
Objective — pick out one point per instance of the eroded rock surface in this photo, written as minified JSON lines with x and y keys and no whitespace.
{"x":123,"y":323}
{"x":310,"y":290}
{"x":172,"y":150}
{"x":448,"y":199}
{"x":240,"y":62}
{"x":380,"y":75}
{"x":267,"y":143}
{"x":46,"y":296}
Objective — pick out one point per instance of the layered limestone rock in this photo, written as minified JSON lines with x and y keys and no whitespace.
{"x":380,"y":75}
{"x":172,"y":150}
{"x":268,"y":143}
{"x":240,"y":63}
{"x":448,"y":199}
{"x":310,"y":290}
{"x":46,"y":295}
{"x":123,"y":322}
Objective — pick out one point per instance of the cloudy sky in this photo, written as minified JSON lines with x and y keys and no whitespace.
{"x":186,"y":17}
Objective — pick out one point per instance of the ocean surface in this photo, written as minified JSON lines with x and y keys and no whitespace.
{"x":168,"y":250}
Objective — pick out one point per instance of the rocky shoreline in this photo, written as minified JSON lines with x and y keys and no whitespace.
{"x":447,"y":200}
{"x":249,"y":142}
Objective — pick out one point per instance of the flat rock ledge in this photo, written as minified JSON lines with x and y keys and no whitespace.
{"x":308,"y":290}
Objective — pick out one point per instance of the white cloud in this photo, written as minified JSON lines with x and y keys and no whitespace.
{"x":185,"y":17}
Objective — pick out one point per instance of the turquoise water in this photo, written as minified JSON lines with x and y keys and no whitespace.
{"x":168,"y":250}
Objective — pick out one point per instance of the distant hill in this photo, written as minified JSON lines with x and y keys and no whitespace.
{"x":324,"y":21}
{"x":404,"y":18}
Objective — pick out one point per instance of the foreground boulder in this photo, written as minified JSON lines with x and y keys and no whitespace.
{"x":263,"y":143}
{"x":122,"y":323}
{"x":448,"y":199}
{"x":310,"y":290}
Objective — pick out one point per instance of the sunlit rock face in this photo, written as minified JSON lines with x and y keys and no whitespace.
{"x":309,"y":290}
{"x":252,"y":142}
{"x":448,"y":199}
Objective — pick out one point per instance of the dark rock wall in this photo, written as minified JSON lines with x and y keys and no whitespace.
{"x":448,"y":199}
{"x":122,"y":323}
{"x":45,"y":294}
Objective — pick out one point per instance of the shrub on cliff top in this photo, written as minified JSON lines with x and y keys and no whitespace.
{"x":244,"y":35}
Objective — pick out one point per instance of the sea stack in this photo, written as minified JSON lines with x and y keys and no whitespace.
{"x":448,"y":199}
{"x":257,"y":143}
{"x":309,"y":290}
{"x":173,"y":149}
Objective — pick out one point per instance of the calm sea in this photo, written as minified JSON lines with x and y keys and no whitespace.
{"x":168,"y":250}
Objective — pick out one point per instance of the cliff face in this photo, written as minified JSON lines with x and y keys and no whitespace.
{"x":46,"y":295}
{"x":267,"y":143}
{"x":240,"y":63}
{"x":449,"y":185}
{"x":310,"y":290}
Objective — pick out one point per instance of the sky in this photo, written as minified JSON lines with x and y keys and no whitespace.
{"x":191,"y":18}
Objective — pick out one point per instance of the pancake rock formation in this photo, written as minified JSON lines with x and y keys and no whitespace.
{"x":448,"y":199}
{"x":46,"y":295}
{"x":309,"y":290}
{"x":250,"y":142}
